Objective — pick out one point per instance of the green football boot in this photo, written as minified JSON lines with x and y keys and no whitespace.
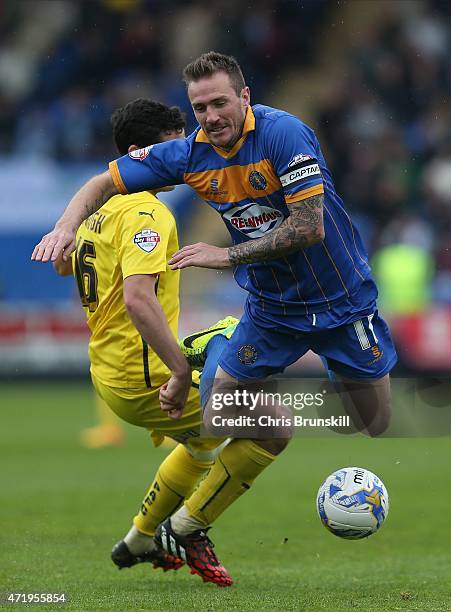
{"x":194,"y":345}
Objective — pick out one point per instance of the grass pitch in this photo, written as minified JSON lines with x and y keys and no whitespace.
{"x":63,"y":507}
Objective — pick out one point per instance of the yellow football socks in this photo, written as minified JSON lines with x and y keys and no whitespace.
{"x":176,"y":479}
{"x":232,"y":474}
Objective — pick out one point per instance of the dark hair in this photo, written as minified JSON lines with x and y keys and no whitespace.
{"x":212,"y":62}
{"x":141,"y":122}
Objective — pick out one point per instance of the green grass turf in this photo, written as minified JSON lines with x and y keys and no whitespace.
{"x":63,"y":507}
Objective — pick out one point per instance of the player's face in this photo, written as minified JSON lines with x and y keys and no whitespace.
{"x":171,"y":135}
{"x":218,"y":109}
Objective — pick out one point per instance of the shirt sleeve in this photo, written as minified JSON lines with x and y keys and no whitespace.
{"x":152,"y":167}
{"x":294,"y":151}
{"x":142,"y":242}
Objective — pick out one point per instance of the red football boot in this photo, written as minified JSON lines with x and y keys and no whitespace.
{"x":196,"y":549}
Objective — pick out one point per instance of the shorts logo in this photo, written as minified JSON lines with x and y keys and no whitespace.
{"x":247,"y":354}
{"x":140,"y":154}
{"x":377,"y":354}
{"x":147,"y":240}
{"x":257,"y":180}
{"x":297,"y":159}
{"x":254,"y":220}
{"x":375,"y":350}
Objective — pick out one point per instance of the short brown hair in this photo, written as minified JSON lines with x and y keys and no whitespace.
{"x":209,"y":63}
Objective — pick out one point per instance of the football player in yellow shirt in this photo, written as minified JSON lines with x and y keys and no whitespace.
{"x":131,"y":299}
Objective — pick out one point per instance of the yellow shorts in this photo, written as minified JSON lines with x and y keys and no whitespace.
{"x":141,"y":407}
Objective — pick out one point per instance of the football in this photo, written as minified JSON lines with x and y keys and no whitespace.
{"x":352,"y":503}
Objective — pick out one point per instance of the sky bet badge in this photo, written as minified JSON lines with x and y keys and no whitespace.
{"x":147,"y":240}
{"x":247,"y":354}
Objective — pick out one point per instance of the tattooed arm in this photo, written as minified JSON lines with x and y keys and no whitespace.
{"x":61,"y":240}
{"x":303,"y":228}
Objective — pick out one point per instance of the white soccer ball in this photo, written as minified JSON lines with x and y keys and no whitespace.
{"x":352,"y":503}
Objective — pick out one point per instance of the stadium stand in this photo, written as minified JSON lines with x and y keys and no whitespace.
{"x":373,"y":78}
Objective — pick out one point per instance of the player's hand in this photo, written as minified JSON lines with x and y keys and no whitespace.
{"x":174,"y":393}
{"x":200,"y":255}
{"x":59,"y":242}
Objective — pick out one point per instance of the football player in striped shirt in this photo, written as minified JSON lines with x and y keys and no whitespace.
{"x":295,"y":249}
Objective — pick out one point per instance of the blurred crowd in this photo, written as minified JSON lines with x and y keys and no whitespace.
{"x":62,"y":75}
{"x":385,"y":122}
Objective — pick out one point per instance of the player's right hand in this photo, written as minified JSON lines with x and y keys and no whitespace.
{"x":60,"y":241}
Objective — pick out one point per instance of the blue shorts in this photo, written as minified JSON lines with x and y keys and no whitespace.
{"x":359,"y":349}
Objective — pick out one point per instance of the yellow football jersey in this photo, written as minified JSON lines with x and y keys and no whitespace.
{"x":133,"y":234}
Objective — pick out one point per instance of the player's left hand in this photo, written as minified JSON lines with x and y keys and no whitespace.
{"x":200,"y":255}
